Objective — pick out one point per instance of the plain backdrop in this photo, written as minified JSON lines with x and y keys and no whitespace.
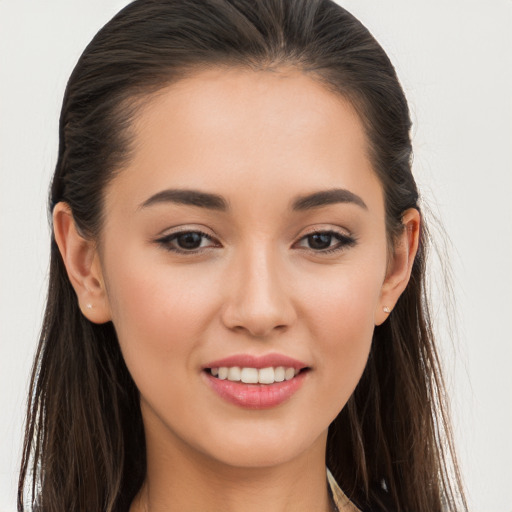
{"x":454,"y":60}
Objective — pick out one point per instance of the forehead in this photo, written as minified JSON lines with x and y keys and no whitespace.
{"x":226,"y":129}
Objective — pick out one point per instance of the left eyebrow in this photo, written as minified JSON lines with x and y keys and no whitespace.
{"x":326,"y":198}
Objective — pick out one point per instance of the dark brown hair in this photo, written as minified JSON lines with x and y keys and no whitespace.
{"x":390,"y":448}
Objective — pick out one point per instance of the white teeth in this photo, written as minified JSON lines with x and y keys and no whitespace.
{"x":249,"y":375}
{"x":279,"y":374}
{"x":289,"y":373}
{"x":267,"y":375}
{"x":234,"y":373}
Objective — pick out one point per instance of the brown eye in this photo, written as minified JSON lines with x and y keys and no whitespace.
{"x":187,"y":242}
{"x":325,"y":242}
{"x":320,"y":241}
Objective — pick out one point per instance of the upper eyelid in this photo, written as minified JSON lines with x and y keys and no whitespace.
{"x":178,"y":230}
{"x":326,"y":231}
{"x":346,"y":237}
{"x":202,"y":231}
{"x":312,"y":230}
{"x":174,"y":234}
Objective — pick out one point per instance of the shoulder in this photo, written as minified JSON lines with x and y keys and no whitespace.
{"x":340,"y":499}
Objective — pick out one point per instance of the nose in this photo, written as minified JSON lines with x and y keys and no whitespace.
{"x":259,"y":300}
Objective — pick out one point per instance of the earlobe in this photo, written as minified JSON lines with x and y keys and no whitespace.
{"x":82,"y":263}
{"x":400,"y":265}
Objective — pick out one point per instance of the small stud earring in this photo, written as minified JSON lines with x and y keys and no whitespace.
{"x":89,"y":306}
{"x":386,"y":310}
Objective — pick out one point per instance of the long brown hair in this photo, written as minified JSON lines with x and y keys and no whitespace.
{"x":390,"y":448}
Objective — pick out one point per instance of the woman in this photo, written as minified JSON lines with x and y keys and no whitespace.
{"x":237,"y":279}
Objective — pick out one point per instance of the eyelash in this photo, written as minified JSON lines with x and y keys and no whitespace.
{"x":167,"y":240}
{"x":344,"y":242}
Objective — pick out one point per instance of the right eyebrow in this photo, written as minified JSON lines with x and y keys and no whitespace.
{"x":188,"y":197}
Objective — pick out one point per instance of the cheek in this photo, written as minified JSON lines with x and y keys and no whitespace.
{"x":155,"y":310}
{"x":342,"y":323}
{"x":343,"y":304}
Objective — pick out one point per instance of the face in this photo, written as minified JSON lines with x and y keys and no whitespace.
{"x":247,"y":231}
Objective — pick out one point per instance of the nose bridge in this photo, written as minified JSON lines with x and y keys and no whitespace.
{"x":260,"y":300}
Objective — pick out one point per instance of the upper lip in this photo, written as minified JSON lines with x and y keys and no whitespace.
{"x":264,"y":361}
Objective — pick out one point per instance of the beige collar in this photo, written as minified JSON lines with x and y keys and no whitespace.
{"x":340,"y":499}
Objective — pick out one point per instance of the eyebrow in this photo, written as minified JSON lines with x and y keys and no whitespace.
{"x":326,"y":198}
{"x":188,"y":197}
{"x":217,"y":202}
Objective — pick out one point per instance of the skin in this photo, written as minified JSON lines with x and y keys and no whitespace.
{"x":260,"y":140}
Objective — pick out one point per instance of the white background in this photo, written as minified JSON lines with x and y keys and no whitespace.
{"x":454,"y":60}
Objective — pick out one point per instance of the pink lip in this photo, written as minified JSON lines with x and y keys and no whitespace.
{"x":250,"y":361}
{"x":255,"y":396}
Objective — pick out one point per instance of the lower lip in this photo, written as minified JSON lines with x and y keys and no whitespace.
{"x":255,"y":396}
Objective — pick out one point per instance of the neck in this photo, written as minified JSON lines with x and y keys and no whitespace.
{"x":179,"y":479}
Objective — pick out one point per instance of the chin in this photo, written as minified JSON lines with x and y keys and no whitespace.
{"x":263,"y":451}
{"x":255,"y":459}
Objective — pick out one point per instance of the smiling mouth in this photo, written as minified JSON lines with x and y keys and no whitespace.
{"x":247,"y":375}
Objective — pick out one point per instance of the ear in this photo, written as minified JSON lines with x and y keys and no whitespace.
{"x":400,"y":265}
{"x":82,"y":263}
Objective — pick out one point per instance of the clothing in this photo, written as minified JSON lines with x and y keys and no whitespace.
{"x":341,"y":501}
